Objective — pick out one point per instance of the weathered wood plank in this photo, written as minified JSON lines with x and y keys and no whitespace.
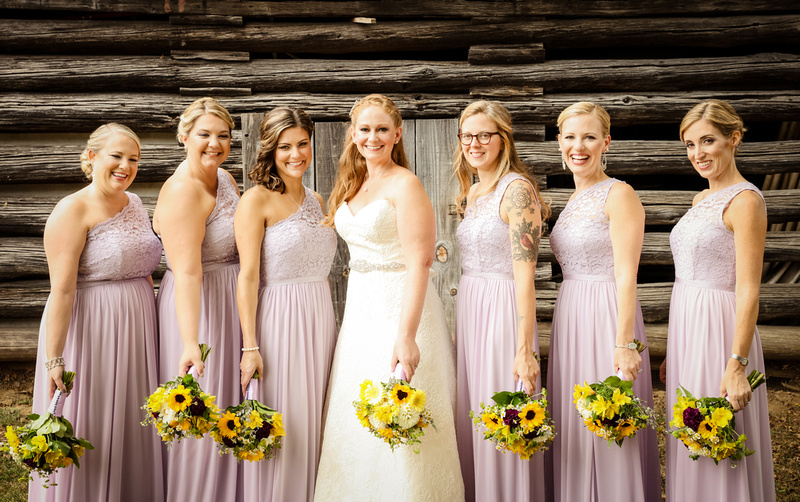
{"x":506,"y":53}
{"x":206,"y":20}
{"x":19,"y":339}
{"x":156,"y":74}
{"x":187,"y":55}
{"x":409,"y":8}
{"x":83,"y":112}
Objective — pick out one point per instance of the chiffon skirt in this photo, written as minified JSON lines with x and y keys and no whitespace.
{"x":700,"y":337}
{"x":194,"y":470}
{"x":582,"y":343}
{"x":486,"y":344}
{"x":296,"y":329}
{"x":112,"y":347}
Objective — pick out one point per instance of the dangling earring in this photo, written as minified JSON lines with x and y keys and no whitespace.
{"x":563,"y":165}
{"x":603,"y":161}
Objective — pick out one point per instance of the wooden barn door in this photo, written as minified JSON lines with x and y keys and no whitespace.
{"x":429,"y":146}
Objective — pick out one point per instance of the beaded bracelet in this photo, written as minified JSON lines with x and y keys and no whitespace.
{"x":54,"y":362}
{"x":251,"y":349}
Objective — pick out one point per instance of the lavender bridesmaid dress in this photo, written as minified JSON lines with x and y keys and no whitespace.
{"x":194,"y":470}
{"x":701,"y":328}
{"x":582,"y":343}
{"x":486,"y":344}
{"x":296,"y":330}
{"x":112,"y":346}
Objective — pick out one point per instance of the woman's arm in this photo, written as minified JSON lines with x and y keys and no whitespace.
{"x":249,"y":225}
{"x":746,"y":216}
{"x":626,"y":226}
{"x":181,"y":212}
{"x":64,"y":240}
{"x":520,"y":207}
{"x":416,"y":227}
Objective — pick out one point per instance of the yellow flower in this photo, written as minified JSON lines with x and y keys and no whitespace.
{"x":418,"y":400}
{"x":384,"y":414}
{"x":677,"y":410}
{"x":179,"y":398}
{"x":254,"y":456}
{"x":620,"y":398}
{"x":626,"y":428}
{"x":156,"y":400}
{"x":53,"y":457}
{"x":277,"y":423}
{"x":229,"y":425}
{"x":603,"y":408}
{"x":40,"y":444}
{"x":370,"y":393}
{"x":386,"y":432}
{"x":531,"y":416}
{"x":185,"y":425}
{"x":400,"y":393}
{"x":12,"y":438}
{"x":491,"y":421}
{"x":253,"y":420}
{"x":79,"y":450}
{"x":582,"y":393}
{"x":721,"y":416}
{"x":707,"y":429}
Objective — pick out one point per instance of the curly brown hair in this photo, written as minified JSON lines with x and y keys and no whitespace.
{"x":265,"y":171}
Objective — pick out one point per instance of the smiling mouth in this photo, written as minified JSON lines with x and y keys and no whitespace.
{"x":703,"y":164}
{"x":579,"y":158}
{"x":120,"y":176}
{"x":295,"y":164}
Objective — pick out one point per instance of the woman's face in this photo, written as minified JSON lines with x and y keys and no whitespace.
{"x":710,"y":152}
{"x":375,"y":135}
{"x":481,"y":157}
{"x":582,"y":143}
{"x":209,"y":142}
{"x":115,"y":165}
{"x":293,"y":153}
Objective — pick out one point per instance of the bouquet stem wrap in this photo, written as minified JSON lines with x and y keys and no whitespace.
{"x":57,"y":403}
{"x":252,"y":390}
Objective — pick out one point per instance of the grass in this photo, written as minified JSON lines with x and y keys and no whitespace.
{"x":11,"y":488}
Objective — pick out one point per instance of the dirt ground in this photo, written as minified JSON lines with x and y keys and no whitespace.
{"x":16,"y":391}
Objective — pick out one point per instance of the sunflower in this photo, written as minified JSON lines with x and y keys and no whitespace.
{"x":229,"y":425}
{"x":491,"y":421}
{"x":418,"y":400}
{"x":531,"y":416}
{"x":626,"y":428}
{"x":179,"y":398}
{"x":401,"y":393}
{"x":707,"y":429}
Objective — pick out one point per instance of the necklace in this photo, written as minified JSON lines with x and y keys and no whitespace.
{"x":290,"y":196}
{"x":372,"y":181}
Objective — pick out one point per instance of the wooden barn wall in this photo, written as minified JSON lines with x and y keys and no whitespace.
{"x":68,"y":66}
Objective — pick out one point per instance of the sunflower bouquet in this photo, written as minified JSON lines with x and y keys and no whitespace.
{"x":517,"y":422}
{"x":180,"y":408}
{"x":250,"y":430}
{"x":46,"y":443}
{"x":611,"y":410}
{"x":705,"y":425}
{"x":394,"y":411}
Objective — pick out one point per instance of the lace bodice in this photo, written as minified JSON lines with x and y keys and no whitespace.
{"x":374,"y":242}
{"x":121,"y":247}
{"x":702,"y":246}
{"x":483,"y":237}
{"x":219,"y":245}
{"x":298,"y":246}
{"x":580,"y":238}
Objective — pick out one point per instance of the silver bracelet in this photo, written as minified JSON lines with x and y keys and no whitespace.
{"x":54,"y":362}
{"x":251,"y":349}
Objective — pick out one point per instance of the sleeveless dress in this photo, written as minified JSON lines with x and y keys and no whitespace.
{"x":354,"y":465}
{"x":486,"y":344}
{"x":582,"y":343}
{"x":194,"y":469}
{"x":296,"y":330}
{"x":700,"y":339}
{"x":112,"y":346}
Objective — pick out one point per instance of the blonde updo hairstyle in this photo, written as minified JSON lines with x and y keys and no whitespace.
{"x":199,"y":108}
{"x":719,"y":113}
{"x":586,"y":108}
{"x":265,"y":171}
{"x":507,"y":162}
{"x":352,"y":167}
{"x":99,"y":138}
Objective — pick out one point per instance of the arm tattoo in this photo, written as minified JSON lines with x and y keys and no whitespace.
{"x":525,"y":241}
{"x":519,"y":198}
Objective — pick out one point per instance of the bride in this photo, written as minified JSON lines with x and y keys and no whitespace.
{"x":392,"y":316}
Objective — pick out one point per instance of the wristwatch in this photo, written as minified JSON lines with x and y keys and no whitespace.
{"x":742,"y":360}
{"x":631,"y":346}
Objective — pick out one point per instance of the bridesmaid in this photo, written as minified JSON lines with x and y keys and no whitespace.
{"x":496,"y":336}
{"x":597,"y":241}
{"x":100,"y":321}
{"x":718,"y":249}
{"x":285,"y":302}
{"x":197,"y":297}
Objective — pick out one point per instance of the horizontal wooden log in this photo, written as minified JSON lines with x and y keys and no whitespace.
{"x":19,"y":339}
{"x":30,"y":163}
{"x":155,"y":74}
{"x":83,"y":112}
{"x":408,"y":8}
{"x":665,"y":157}
{"x":487,"y":42}
{"x":209,"y":55}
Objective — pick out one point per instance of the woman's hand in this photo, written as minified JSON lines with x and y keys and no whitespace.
{"x":251,"y":362}
{"x":735,"y":386}
{"x":628,"y":361}
{"x":191,"y":357}
{"x":406,"y":353}
{"x":55,"y":380}
{"x":526,"y":369}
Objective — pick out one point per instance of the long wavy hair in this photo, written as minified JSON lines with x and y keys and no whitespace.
{"x":265,"y":171}
{"x":719,"y":113}
{"x":352,"y":166}
{"x":507,"y":162}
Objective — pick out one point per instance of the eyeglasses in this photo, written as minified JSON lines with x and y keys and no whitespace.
{"x":483,"y":137}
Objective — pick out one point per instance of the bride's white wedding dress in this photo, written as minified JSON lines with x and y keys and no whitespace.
{"x":355,"y":465}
